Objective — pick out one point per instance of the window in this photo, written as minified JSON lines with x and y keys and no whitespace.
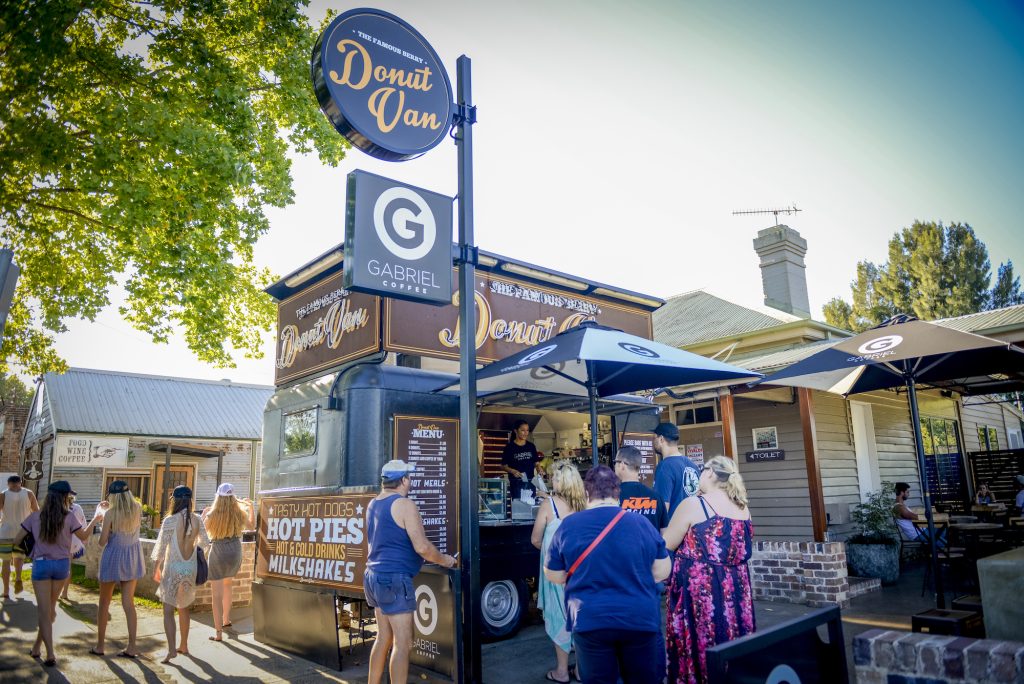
{"x":299,"y":433}
{"x":697,"y":414}
{"x":138,"y":484}
{"x":939,"y":436}
{"x":988,"y":438}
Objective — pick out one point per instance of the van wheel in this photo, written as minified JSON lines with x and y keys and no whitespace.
{"x":503,"y":604}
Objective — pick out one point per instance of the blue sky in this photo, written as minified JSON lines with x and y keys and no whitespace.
{"x":615,"y":140}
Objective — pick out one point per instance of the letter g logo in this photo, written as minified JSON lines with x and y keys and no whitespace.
{"x":426,"y":610}
{"x":404,"y":223}
{"x":880,"y":344}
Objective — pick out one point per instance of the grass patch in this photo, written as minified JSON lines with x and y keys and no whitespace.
{"x":79,"y":579}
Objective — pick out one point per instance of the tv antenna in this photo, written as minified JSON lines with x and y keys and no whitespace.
{"x":786,"y":210}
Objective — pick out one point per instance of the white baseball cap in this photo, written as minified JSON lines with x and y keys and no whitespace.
{"x":395,"y":469}
{"x":226,"y":489}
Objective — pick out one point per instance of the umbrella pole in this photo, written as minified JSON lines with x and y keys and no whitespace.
{"x":592,"y":391}
{"x":940,"y":594}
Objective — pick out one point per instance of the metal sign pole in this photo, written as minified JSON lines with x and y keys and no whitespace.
{"x":469,"y":667}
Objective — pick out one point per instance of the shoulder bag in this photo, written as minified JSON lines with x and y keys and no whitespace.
{"x":26,"y":545}
{"x":604,"y":532}
{"x":202,"y":569}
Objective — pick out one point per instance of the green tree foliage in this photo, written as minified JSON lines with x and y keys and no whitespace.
{"x":13,"y":392}
{"x":934,"y":271}
{"x":140,"y":143}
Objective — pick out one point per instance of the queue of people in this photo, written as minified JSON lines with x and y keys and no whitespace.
{"x":610,"y":555}
{"x":57,"y":531}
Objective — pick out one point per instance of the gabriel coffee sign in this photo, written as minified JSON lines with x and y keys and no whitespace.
{"x":382,"y":85}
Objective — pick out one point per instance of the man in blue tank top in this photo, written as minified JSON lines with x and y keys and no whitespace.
{"x":397,"y":548}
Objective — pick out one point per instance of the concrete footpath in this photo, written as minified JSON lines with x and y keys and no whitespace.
{"x":239,"y":658}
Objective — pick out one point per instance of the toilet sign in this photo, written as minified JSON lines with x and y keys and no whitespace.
{"x":398,"y":240}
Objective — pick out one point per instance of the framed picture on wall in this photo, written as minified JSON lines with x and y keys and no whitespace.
{"x":766,"y":438}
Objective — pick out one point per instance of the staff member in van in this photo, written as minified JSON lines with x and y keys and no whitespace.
{"x":519,"y":458}
{"x":398,"y":546}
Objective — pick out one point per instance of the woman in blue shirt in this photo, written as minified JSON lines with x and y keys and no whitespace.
{"x":611,"y":595}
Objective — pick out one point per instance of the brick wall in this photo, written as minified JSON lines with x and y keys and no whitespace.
{"x":812,"y":573}
{"x":241,"y":584}
{"x":881,"y":657}
{"x":14,"y":419}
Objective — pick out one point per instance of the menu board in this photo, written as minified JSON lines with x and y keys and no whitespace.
{"x":314,"y":540}
{"x":644,"y":441}
{"x":432,"y":446}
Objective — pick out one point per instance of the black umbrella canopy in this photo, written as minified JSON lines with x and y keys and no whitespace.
{"x":906,"y":352}
{"x":885,"y":356}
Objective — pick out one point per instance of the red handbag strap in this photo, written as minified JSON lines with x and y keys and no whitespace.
{"x":605,"y":531}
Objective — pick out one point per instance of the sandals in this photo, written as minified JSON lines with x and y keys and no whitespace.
{"x":126,"y":654}
{"x":19,"y":586}
{"x":35,"y":655}
{"x":96,"y":653}
{"x":50,"y":662}
{"x":549,"y":675}
{"x":215,"y":638}
{"x":574,"y":672}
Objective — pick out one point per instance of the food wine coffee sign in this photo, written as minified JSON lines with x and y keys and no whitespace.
{"x":382,"y":85}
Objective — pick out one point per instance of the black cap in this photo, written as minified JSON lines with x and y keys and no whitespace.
{"x":117,"y":487}
{"x":668,"y":431}
{"x":182,"y":492}
{"x":61,"y":487}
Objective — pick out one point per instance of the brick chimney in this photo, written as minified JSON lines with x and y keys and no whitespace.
{"x":782,"y":253}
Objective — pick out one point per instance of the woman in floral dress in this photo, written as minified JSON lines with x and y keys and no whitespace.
{"x":710,"y":600}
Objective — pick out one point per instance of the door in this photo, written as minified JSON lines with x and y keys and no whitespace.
{"x":868,"y":477}
{"x":179,"y":475}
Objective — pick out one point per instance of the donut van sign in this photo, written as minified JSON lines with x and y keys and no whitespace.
{"x":381,"y":85}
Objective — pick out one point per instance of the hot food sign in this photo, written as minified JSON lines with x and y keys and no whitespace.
{"x":382,"y":85}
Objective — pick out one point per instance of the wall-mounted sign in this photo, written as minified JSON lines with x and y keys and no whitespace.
{"x":398,"y":240}
{"x":511,"y":315}
{"x":323,"y":326}
{"x":644,"y":441}
{"x":381,"y":85}
{"x":431,"y":445}
{"x":89,"y":451}
{"x":769,"y":455}
{"x":695,"y":452}
{"x":317,"y":540}
{"x":765,"y":438}
{"x":326,"y":325}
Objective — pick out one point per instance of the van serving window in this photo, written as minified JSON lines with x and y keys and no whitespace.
{"x":299,"y":433}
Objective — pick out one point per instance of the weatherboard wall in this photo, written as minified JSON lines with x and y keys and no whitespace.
{"x":778,"y":490}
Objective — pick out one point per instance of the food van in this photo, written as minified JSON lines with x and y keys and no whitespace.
{"x":350,"y":398}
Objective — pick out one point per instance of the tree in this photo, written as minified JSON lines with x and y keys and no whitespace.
{"x":13,"y":391}
{"x":933,"y":271}
{"x":140,"y":143}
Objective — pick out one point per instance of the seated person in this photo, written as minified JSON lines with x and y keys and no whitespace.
{"x":905,"y":518}
{"x":1019,"y":501}
{"x":984,"y":496}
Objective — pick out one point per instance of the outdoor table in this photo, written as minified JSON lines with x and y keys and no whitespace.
{"x":962,"y":519}
{"x":1017,"y":521}
{"x":976,"y":527}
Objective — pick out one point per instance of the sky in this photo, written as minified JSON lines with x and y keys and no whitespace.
{"x":614,"y":140}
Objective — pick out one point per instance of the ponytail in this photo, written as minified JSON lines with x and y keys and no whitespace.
{"x":729,"y":479}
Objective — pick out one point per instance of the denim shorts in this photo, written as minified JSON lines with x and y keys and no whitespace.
{"x":392,"y":592}
{"x":43,"y":569}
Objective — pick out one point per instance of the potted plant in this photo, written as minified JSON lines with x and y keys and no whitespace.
{"x":875,"y":550}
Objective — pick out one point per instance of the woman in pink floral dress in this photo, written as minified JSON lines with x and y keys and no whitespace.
{"x":709,"y":601}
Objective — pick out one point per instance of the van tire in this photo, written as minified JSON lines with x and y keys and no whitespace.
{"x":503,"y":604}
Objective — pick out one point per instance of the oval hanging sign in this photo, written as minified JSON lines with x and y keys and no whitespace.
{"x":382,"y":85}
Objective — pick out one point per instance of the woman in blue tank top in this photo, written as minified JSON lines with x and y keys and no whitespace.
{"x":397,"y":548}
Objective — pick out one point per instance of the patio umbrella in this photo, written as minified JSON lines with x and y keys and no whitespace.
{"x":595,"y":361}
{"x":904,"y":351}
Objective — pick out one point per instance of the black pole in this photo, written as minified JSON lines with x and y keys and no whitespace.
{"x":467,"y":599}
{"x":915,"y":418}
{"x":592,"y":392}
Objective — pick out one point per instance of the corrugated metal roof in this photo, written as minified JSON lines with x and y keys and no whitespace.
{"x":986,"y":320}
{"x":87,"y":400}
{"x":768,"y":363}
{"x":699,"y":316}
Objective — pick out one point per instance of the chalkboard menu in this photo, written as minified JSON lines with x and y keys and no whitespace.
{"x":644,"y":441}
{"x":432,"y":446}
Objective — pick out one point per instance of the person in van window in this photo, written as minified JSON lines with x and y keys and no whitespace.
{"x":519,"y":458}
